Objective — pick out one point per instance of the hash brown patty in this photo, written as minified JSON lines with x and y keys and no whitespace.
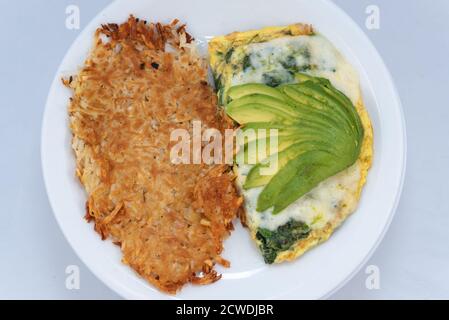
{"x":140,"y":82}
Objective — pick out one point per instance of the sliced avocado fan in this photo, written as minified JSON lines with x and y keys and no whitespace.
{"x":319,"y":134}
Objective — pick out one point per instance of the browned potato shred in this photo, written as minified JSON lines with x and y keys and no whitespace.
{"x":169,"y":220}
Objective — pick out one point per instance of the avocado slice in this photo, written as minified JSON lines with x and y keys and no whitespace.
{"x":266,"y":100}
{"x":312,"y":94}
{"x":256,"y":111}
{"x":319,"y":134}
{"x":250,"y":151}
{"x":302,"y":96}
{"x":249,"y":143}
{"x":240,"y":91}
{"x":256,"y":179}
{"x":314,"y":107}
{"x":302,"y":77}
{"x":295,"y":179}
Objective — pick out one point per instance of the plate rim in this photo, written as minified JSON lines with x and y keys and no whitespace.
{"x":404,"y":154}
{"x":115,"y":287}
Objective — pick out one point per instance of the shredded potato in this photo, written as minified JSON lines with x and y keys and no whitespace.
{"x":140,"y":82}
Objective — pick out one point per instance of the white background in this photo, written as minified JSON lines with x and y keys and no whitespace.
{"x":413,"y":259}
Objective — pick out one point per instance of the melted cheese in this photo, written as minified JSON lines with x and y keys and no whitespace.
{"x":314,"y":55}
{"x":315,"y":208}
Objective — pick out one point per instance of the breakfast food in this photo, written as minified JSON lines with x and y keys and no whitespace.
{"x":140,"y":82}
{"x":295,"y":81}
{"x":143,"y":81}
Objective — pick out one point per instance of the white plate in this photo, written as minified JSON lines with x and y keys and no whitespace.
{"x":318,"y":273}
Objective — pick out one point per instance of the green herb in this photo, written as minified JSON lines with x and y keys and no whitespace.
{"x":228,"y":55}
{"x":274,"y":242}
{"x":305,"y":67}
{"x":289,"y":63}
{"x":217,"y":82}
{"x":246,"y":62}
{"x":304,"y":51}
{"x":220,"y":95}
{"x":271,"y":80}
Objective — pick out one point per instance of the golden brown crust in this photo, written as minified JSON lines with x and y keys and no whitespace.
{"x":170,"y":220}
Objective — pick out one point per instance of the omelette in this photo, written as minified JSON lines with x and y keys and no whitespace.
{"x":140,"y":82}
{"x":294,"y":80}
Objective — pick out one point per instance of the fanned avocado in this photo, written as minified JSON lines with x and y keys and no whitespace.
{"x":319,"y":135}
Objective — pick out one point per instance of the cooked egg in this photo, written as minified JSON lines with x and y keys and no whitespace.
{"x":269,"y":57}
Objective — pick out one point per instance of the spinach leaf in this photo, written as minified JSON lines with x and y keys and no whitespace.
{"x":282,"y":239}
{"x":305,"y":67}
{"x":277,"y":77}
{"x":305,"y":52}
{"x":228,"y":55}
{"x":272,"y":80}
{"x":246,"y":62}
{"x":217,"y":81}
{"x":289,"y":63}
